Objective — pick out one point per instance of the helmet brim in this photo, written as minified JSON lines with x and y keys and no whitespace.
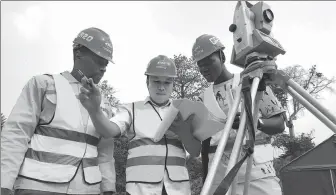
{"x":160,"y":75}
{"x":102,"y":56}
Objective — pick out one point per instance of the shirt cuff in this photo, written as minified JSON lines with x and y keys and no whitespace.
{"x":108,"y":176}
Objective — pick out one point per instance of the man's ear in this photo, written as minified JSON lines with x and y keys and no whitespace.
{"x":77,"y":54}
{"x":222,"y":56}
{"x":147,"y":80}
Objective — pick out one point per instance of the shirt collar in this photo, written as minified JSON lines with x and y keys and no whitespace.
{"x":147,"y":100}
{"x":69,"y":77}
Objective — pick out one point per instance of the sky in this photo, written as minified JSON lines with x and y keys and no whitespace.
{"x":36,"y":38}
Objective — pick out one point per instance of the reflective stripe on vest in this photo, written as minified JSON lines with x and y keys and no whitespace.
{"x":146,"y":159}
{"x":57,"y":149}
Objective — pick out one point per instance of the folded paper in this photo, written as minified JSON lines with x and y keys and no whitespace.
{"x":204,"y":123}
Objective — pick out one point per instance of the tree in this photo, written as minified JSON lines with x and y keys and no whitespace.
{"x":189,"y":82}
{"x":109,"y":92}
{"x":111,"y":102}
{"x":3,"y":120}
{"x":292,"y":147}
{"x":313,"y":81}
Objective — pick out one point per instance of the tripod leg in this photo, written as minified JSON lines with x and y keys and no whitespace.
{"x":311,"y":100}
{"x":248,"y":174}
{"x":312,"y":109}
{"x":241,"y":131}
{"x":255,"y":107}
{"x":235,"y":181}
{"x":222,"y":143}
{"x":237,"y":145}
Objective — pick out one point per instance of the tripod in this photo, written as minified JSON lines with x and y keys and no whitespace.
{"x":261,"y":70}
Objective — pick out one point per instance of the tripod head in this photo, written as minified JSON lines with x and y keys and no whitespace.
{"x":251,"y":28}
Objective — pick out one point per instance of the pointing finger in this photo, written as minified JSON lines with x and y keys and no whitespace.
{"x":86,"y":83}
{"x":93,"y":86}
{"x":84,"y":91}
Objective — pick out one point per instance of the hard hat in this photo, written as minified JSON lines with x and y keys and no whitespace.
{"x":97,"y":41}
{"x":204,"y":46}
{"x":161,"y":66}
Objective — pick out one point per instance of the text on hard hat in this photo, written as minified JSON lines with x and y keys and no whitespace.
{"x":109,"y":44}
{"x":214,"y":40}
{"x":163,"y":63}
{"x":85,"y":36}
{"x":198,"y":51}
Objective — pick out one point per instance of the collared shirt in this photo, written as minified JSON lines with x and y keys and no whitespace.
{"x":123,"y":118}
{"x":35,"y":105}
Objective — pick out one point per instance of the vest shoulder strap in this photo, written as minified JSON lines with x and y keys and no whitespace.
{"x":133,"y":120}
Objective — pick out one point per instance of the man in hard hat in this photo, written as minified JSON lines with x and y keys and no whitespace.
{"x":152,"y":167}
{"x":49,"y":144}
{"x":209,"y":57}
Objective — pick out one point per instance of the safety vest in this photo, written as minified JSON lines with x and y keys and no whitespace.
{"x":147,"y":160}
{"x":56,"y":149}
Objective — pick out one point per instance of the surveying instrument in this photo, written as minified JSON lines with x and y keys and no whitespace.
{"x":255,"y":50}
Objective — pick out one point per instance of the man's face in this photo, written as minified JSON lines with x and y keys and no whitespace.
{"x":160,"y":88}
{"x":92,"y":65}
{"x":210,"y":67}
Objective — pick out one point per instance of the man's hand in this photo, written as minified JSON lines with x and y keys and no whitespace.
{"x":184,"y":130}
{"x":5,"y":191}
{"x":179,"y":124}
{"x":89,"y":95}
{"x":235,"y":124}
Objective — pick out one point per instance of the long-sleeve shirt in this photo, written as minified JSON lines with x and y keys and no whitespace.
{"x":35,"y":105}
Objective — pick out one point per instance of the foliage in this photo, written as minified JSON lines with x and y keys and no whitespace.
{"x":189,"y":82}
{"x":109,"y":92}
{"x":120,"y":156}
{"x":194,"y":166}
{"x":292,"y":147}
{"x":313,"y":81}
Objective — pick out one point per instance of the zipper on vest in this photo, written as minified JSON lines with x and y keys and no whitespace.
{"x":86,"y":137}
{"x":166,"y":158}
{"x":165,"y":165}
